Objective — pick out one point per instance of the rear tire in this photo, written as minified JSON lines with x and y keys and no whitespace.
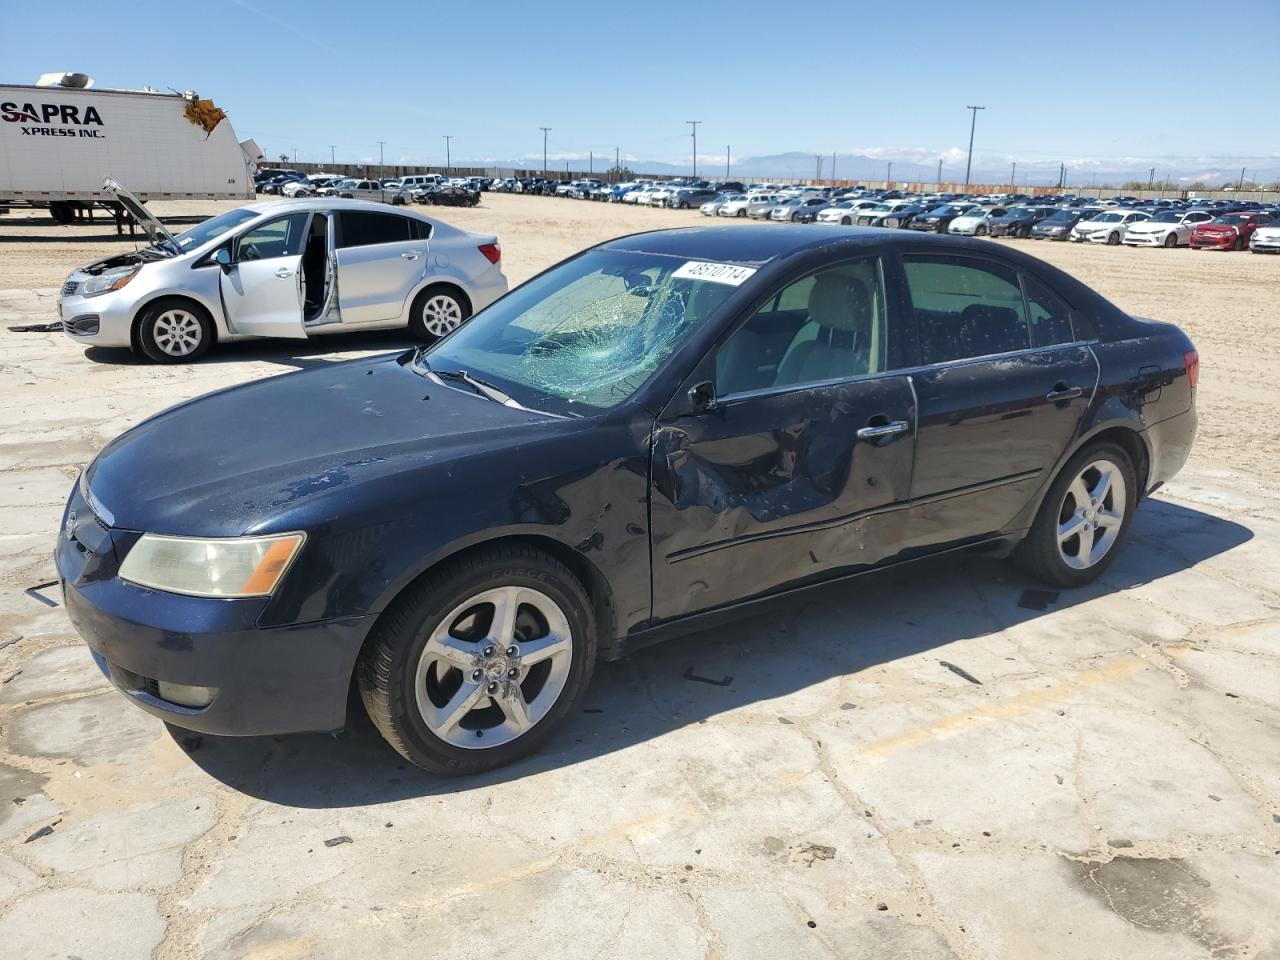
{"x":1061,"y":547}
{"x":436,"y":690}
{"x":437,"y":311}
{"x":175,"y":331}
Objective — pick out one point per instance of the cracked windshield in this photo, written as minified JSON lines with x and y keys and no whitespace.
{"x":584,"y":336}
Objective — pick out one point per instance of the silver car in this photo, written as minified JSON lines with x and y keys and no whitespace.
{"x":289,"y":268}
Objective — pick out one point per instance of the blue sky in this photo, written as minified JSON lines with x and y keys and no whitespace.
{"x":1089,"y":82}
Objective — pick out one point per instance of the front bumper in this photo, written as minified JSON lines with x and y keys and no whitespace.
{"x":1213,"y":241}
{"x":287,"y":679}
{"x":1144,"y":239}
{"x":113,"y":312}
{"x":1263,"y":245}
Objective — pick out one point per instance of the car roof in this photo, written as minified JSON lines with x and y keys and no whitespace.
{"x":764,"y":244}
{"x":325,"y":203}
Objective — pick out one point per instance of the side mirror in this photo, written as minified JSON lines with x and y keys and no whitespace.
{"x":702,"y":397}
{"x":223,"y":258}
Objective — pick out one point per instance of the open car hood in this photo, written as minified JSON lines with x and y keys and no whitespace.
{"x":146,"y":219}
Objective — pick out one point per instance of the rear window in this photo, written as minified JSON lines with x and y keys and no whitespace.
{"x":360,"y":229}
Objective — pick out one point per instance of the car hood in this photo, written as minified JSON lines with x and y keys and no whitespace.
{"x":1215,"y":228}
{"x":1151,"y":226}
{"x":1267,"y":233}
{"x":269,"y":454}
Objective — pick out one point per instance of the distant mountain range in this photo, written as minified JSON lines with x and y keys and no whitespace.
{"x":912,"y":166}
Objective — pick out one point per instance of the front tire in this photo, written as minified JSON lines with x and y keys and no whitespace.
{"x":1113,"y":239}
{"x":1171,"y":239}
{"x":175,"y":331}
{"x":438,"y":311}
{"x":477,"y":663}
{"x":1083,"y":519}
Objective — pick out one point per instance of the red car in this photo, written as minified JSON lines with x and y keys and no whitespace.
{"x":1230,"y":231}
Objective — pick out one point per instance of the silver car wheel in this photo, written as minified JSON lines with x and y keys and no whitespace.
{"x":441,"y":314}
{"x":494,"y":667}
{"x":177,"y":332}
{"x":1091,"y":515}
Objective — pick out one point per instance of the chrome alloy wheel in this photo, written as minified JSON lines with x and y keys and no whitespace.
{"x":441,"y":314}
{"x":494,"y":667}
{"x":177,"y":332}
{"x":1091,"y":515}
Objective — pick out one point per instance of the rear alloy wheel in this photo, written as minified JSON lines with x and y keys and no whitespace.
{"x":1113,"y":239}
{"x":476,"y":664}
{"x":174,"y":333}
{"x":438,"y":311}
{"x":980,"y":231}
{"x":1084,"y":516}
{"x":1171,"y":239}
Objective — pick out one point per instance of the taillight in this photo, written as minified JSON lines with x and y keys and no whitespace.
{"x":1191,"y":360}
{"x":491,"y":251}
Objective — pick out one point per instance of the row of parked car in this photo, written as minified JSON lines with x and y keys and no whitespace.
{"x":1199,"y":224}
{"x":422,"y":188}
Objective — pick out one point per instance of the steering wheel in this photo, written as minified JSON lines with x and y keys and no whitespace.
{"x":249,"y":252}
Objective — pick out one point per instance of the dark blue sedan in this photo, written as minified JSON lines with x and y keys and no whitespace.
{"x":661,"y":428}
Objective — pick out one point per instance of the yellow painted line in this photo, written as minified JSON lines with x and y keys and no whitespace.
{"x":1012,"y":707}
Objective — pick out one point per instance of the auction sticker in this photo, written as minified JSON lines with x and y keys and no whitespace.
{"x":727,"y":273}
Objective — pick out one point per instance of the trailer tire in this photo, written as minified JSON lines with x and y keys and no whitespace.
{"x":62,"y":212}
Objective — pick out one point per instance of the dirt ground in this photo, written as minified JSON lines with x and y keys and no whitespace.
{"x":1111,"y":788}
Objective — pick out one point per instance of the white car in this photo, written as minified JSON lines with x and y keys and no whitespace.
{"x":1169,"y":228}
{"x":1108,"y":227}
{"x":1265,"y":239}
{"x":712,"y":206}
{"x":873,"y":216}
{"x":736,"y":207}
{"x":287,"y":268}
{"x":845,"y":211}
{"x":974,"y":223}
{"x":646,"y":196}
{"x":368,"y":190}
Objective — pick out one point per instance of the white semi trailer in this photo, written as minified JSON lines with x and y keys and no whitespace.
{"x":61,"y":137}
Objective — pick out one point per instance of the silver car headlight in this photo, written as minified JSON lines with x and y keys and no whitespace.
{"x":106,"y":282}
{"x":217,"y":567}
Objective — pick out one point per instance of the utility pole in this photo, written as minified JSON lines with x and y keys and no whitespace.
{"x":968,"y":166}
{"x":332,"y":161}
{"x":1151,"y":177}
{"x":727,"y":158}
{"x":617,"y":161}
{"x":448,"y":155}
{"x":1240,"y":185}
{"x":819,"y":159}
{"x":381,"y":164}
{"x":833,"y":166}
{"x":545,"y":131}
{"x":694,"y":125}
{"x":1013,"y":173}
{"x":295,"y":154}
{"x":888,"y":177}
{"x":1062,"y":175}
{"x":939,"y":172}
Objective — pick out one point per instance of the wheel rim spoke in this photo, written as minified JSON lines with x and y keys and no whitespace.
{"x":535,"y":651}
{"x":506,"y":604}
{"x":1070,"y":529}
{"x":462,"y":703}
{"x":454,"y":652}
{"x":515,"y":709}
{"x":1102,"y":487}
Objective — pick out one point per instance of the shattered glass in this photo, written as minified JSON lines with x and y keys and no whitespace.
{"x":588,"y":333}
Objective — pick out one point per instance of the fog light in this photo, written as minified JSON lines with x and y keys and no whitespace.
{"x":186,"y":696}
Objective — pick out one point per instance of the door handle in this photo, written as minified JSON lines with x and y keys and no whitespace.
{"x":411,"y":255}
{"x":284,"y":273}
{"x":1061,"y":392}
{"x":883,"y":430}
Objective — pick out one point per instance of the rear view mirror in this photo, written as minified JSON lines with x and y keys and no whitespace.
{"x":223,"y":258}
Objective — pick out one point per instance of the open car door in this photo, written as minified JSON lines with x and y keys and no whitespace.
{"x":262,"y":277}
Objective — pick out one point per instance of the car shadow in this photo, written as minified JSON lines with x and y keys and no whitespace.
{"x":294,"y":354}
{"x":862,"y":623}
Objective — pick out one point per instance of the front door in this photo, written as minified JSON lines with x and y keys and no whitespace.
{"x":262,"y":288}
{"x":801,"y":468}
{"x":1004,"y":384}
{"x":381,"y":257}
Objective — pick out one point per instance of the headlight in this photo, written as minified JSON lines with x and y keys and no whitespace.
{"x":106,"y":282}
{"x":228,"y":567}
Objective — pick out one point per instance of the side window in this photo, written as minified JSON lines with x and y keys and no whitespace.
{"x":965,"y":307}
{"x":281,"y":237}
{"x":826,"y":326}
{"x":360,"y":229}
{"x":1049,"y":314}
{"x":418,"y":230}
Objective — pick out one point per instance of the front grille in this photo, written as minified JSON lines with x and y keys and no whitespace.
{"x":69,"y":288}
